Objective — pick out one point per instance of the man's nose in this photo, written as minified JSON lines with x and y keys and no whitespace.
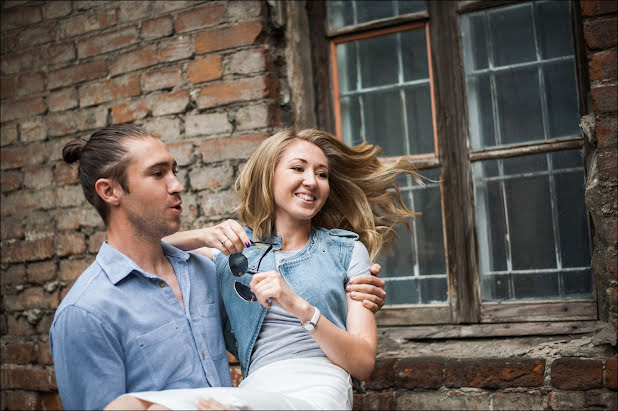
{"x":175,"y":185}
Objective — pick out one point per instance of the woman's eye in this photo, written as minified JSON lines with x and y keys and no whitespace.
{"x":323,"y":175}
{"x":297,"y":168}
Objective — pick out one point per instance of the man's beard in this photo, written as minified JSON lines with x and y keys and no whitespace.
{"x":151,"y":229}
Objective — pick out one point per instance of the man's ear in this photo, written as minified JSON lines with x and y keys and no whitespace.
{"x":109,"y":190}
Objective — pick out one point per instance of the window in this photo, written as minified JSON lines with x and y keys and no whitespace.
{"x":483,"y":98}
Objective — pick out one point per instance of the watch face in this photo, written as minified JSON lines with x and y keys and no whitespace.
{"x":308,"y":326}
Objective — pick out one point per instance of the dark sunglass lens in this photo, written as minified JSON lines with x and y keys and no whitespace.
{"x":244,"y":292}
{"x":238,"y":264}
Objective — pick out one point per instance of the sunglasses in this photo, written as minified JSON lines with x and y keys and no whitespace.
{"x":238,"y":265}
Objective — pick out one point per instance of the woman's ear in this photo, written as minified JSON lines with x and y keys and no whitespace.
{"x":108,"y":190}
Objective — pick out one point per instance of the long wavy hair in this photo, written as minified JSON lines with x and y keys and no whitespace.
{"x":364,"y":195}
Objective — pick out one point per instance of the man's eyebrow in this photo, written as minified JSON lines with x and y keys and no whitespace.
{"x":162,"y":164}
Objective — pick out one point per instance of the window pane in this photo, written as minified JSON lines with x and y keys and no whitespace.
{"x":392,"y":92}
{"x":347,"y":12}
{"x":417,"y":262}
{"x":520,"y":74}
{"x":532,"y":226}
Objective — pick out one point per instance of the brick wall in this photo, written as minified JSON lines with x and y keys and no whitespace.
{"x":210,"y":77}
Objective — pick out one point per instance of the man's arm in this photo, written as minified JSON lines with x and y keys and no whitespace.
{"x":88,"y":360}
{"x":369,"y":289}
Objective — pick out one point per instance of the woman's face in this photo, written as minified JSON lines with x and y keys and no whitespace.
{"x":300,"y":182}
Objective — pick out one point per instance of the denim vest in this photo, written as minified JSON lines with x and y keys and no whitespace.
{"x":318,"y":273}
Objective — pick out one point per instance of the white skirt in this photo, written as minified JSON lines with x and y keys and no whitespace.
{"x":295,"y":384}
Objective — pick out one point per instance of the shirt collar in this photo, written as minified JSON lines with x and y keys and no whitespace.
{"x":117,"y":265}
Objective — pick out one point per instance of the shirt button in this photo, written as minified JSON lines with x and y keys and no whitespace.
{"x":161,"y":284}
{"x":203,"y":356}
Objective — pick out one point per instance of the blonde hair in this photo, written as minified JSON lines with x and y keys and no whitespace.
{"x":364,"y":196}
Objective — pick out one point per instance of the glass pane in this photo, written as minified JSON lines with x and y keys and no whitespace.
{"x":383,"y":121}
{"x":351,"y":120}
{"x":519,"y":106}
{"x":512,"y":34}
{"x":378,"y":60}
{"x":414,"y":55}
{"x":417,"y":262}
{"x":419,"y":120}
{"x":555,"y":37}
{"x":532,"y":226}
{"x":561,"y":99}
{"x":520,"y":73}
{"x":347,"y":12}
{"x":346,"y":66}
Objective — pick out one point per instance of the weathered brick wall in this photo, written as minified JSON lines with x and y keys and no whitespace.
{"x":210,"y":77}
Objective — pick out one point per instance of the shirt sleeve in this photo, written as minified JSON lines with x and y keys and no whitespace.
{"x":359,"y":262}
{"x":88,"y":360}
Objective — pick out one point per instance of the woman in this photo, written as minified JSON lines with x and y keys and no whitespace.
{"x":303,"y":197}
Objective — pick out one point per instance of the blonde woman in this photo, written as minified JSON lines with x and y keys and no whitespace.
{"x":316,"y":212}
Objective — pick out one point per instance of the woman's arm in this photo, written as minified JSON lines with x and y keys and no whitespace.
{"x":227,"y":237}
{"x":353,"y":350}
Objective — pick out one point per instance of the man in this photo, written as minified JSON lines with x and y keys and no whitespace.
{"x":145,"y":315}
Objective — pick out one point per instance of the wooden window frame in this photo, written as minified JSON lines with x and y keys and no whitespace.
{"x":454,"y":159}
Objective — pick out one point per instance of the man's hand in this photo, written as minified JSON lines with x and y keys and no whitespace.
{"x":369,"y":289}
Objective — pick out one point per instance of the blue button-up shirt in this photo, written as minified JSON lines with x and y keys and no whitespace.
{"x":121,"y":329}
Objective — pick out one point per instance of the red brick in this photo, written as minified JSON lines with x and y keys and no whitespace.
{"x":100,"y":92}
{"x":209,"y":178}
{"x":65,"y":174}
{"x":43,"y":354}
{"x":20,"y":17}
{"x":382,"y":376}
{"x":25,"y":107}
{"x":41,"y":272}
{"x":70,"y":244}
{"x":229,"y":37}
{"x":18,"y":353}
{"x":52,"y":401}
{"x":606,"y":131}
{"x":11,"y":180}
{"x":12,"y":228}
{"x":135,"y":59}
{"x":30,"y":83}
{"x":103,"y":43}
{"x":77,"y":218}
{"x":231,"y":148}
{"x":201,"y":17}
{"x":84,"y":23}
{"x":182,"y":152}
{"x":155,"y":28}
{"x":494,"y":373}
{"x":423,"y":372}
{"x":26,"y":378}
{"x":19,"y":325}
{"x":60,"y":53}
{"x":71,"y":269}
{"x":374,"y":401}
{"x":7,"y":87}
{"x":95,"y":240}
{"x":174,"y":102}
{"x":602,"y":65}
{"x":38,"y":177}
{"x":23,"y":400}
{"x":604,"y":99}
{"x":56,"y":9}
{"x":576,"y":374}
{"x":205,"y":69}
{"x":164,"y":77}
{"x":14,"y":157}
{"x":600,"y":33}
{"x":77,"y":74}
{"x":19,"y":62}
{"x":175,"y":49}
{"x":34,"y":36}
{"x":63,"y":99}
{"x":611,"y":376}
{"x":137,"y":10}
{"x":62,"y":123}
{"x":218,"y":204}
{"x":134,"y":110}
{"x":33,"y":297}
{"x":597,"y":7}
{"x":232,"y":91}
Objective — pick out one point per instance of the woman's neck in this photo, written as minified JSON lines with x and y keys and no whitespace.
{"x":294,"y":235}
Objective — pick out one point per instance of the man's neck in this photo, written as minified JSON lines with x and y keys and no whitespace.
{"x":146,"y":252}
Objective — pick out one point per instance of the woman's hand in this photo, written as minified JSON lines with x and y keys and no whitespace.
{"x":270,"y":285}
{"x":227,"y":237}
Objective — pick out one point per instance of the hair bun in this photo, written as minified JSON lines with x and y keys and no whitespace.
{"x":72,"y":151}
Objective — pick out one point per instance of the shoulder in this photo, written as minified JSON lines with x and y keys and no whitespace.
{"x":338,"y":234}
{"x":88,"y":284}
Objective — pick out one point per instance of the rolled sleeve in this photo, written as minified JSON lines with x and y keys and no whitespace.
{"x":88,"y":360}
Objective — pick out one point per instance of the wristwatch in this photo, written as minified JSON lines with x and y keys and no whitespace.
{"x":309,"y":326}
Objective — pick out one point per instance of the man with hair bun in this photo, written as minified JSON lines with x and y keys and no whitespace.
{"x":144,"y":315}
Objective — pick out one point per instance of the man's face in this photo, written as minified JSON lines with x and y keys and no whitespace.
{"x":152,"y":205}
